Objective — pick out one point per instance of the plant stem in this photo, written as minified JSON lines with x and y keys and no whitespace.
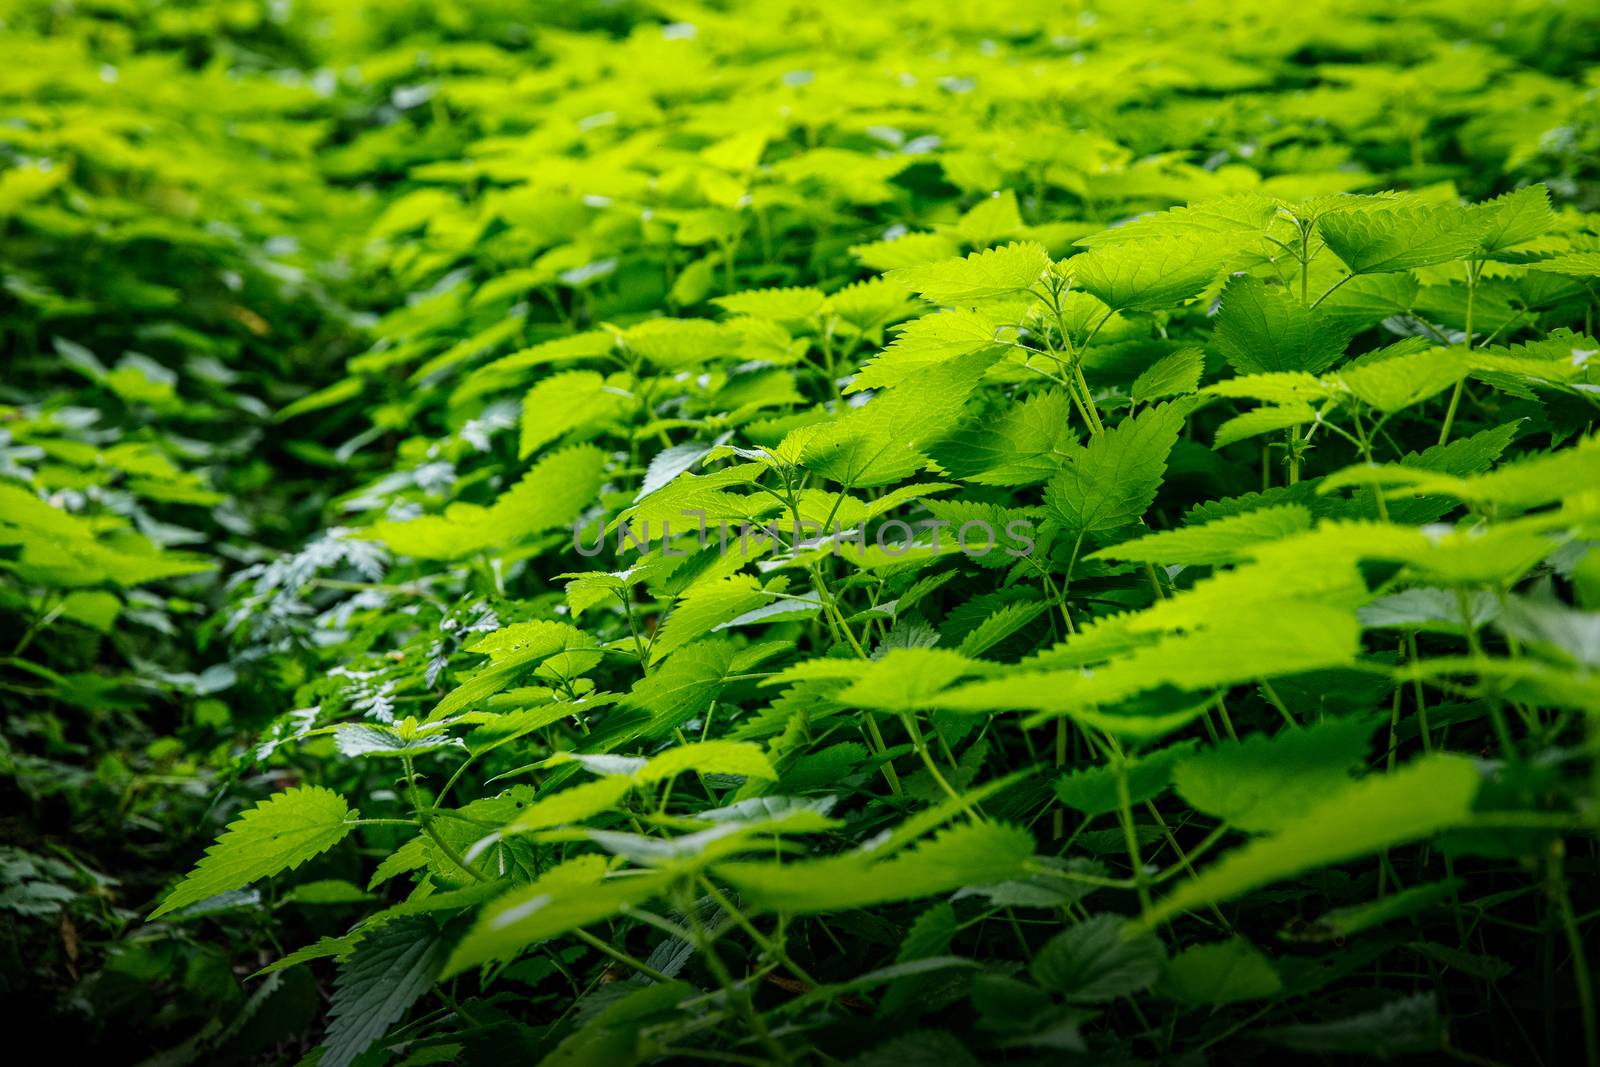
{"x":1580,"y":961}
{"x":621,"y":957}
{"x":767,"y":945}
{"x":887,"y":766}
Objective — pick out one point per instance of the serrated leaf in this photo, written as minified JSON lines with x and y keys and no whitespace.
{"x":1259,"y":783}
{"x":1224,"y":972}
{"x":408,"y":857}
{"x":904,"y":678}
{"x":1100,"y":959}
{"x":1258,"y":421}
{"x":709,"y":757}
{"x":360,"y":739}
{"x":887,"y":439}
{"x":389,"y":969}
{"x":909,"y":250}
{"x":1026,"y":444}
{"x":562,"y":403}
{"x":512,"y":651}
{"x":1175,"y":374}
{"x":1094,"y":790}
{"x":1404,"y":1025}
{"x":1391,"y":385}
{"x":1113,"y":479}
{"x":279,"y":834}
{"x":1346,"y":922}
{"x":1226,"y":221}
{"x":1000,"y":625}
{"x":1148,"y":275}
{"x":1513,"y":218}
{"x":797,"y":304}
{"x":550,"y":495}
{"x":1425,"y":796}
{"x":977,"y":852}
{"x":977,"y":277}
{"x":990,"y":219}
{"x":1241,"y":647}
{"x":1223,"y":540}
{"x":566,"y":897}
{"x":704,"y":607}
{"x":925,"y":342}
{"x":1262,"y":328}
{"x":1401,"y":236}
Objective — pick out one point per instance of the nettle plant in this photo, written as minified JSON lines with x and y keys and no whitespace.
{"x":1186,"y":768}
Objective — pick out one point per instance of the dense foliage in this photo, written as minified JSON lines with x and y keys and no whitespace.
{"x":900,"y":533}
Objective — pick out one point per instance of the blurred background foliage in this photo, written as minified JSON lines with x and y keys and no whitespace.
{"x":258,"y":261}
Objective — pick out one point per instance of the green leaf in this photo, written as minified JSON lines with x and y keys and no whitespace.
{"x":990,"y":219}
{"x":362,"y":739}
{"x":1242,"y":647}
{"x":929,"y":936}
{"x":1176,"y":374}
{"x":389,"y":969}
{"x":1575,"y":265}
{"x":321,"y":949}
{"x":1223,"y":540}
{"x":1262,"y":420}
{"x":1112,"y":480}
{"x":1400,"y":237}
{"x":567,"y":897}
{"x":1262,"y":328}
{"x":1001,"y":624}
{"x":905,"y":678}
{"x":408,"y":857}
{"x":1404,"y":1025}
{"x":887,"y":439}
{"x":1260,"y":782}
{"x":512,"y":651}
{"x":279,"y":834}
{"x":709,"y":757}
{"x":549,"y":496}
{"x":909,"y":250}
{"x":704,"y":607}
{"x":924,"y":343}
{"x":1390,"y":385}
{"x":972,"y":854}
{"x":1094,"y":791}
{"x":620,"y":1031}
{"x":978,"y":277}
{"x":1527,"y":483}
{"x":1099,"y":959}
{"x":1233,"y":221}
{"x":1427,"y":795}
{"x":793,"y":305}
{"x":1224,"y":972}
{"x":1341,"y":923}
{"x":1024,"y":445}
{"x":1513,"y":218}
{"x":562,"y":403}
{"x":683,"y":686}
{"x":1148,"y":275}
{"x":582,"y":801}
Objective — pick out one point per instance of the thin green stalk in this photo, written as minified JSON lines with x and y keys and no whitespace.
{"x":1580,"y":960}
{"x":921,"y":746}
{"x":887,"y":766}
{"x":1183,"y":863}
{"x":740,"y":998}
{"x":768,"y":946}
{"x":621,"y":957}
{"x":425,"y":817}
{"x":1125,"y":810}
